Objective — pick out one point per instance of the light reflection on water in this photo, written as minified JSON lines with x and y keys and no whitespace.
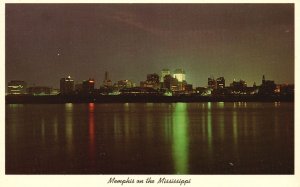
{"x":180,"y":138}
{"x":69,"y":127}
{"x":209,"y":130}
{"x":91,"y":132}
{"x":139,"y":138}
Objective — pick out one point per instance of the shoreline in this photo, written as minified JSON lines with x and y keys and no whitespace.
{"x":60,"y":99}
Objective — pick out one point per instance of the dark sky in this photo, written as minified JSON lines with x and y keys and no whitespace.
{"x":45,"y":42}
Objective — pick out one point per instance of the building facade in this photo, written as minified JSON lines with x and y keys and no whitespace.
{"x":39,"y":90}
{"x":164,"y":72}
{"x":170,"y":83}
{"x":220,"y":82}
{"x":151,"y":82}
{"x":107,"y":82}
{"x":124,"y":84}
{"x":16,"y":87}
{"x":88,"y":86}
{"x":179,"y":74}
{"x":211,"y":83}
{"x":66,"y":85}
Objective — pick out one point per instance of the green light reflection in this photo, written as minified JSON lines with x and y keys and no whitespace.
{"x":209,"y":128}
{"x":180,"y":138}
{"x":220,"y":104}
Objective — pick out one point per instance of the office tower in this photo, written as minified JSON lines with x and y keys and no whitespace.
{"x":107,"y":82}
{"x":179,"y":74}
{"x":88,"y":86}
{"x":66,"y":85}
{"x":170,"y":83}
{"x":16,"y":87}
{"x":164,"y":72}
{"x":151,"y":82}
{"x":212,"y":83}
{"x":153,"y":78}
{"x":124,"y":84}
{"x":220,"y":82}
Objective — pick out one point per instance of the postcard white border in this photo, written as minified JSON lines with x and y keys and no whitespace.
{"x":101,"y":180}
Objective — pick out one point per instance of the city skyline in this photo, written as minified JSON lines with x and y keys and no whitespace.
{"x":101,"y":83}
{"x":241,"y":41}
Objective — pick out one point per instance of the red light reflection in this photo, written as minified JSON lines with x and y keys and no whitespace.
{"x":92,"y":131}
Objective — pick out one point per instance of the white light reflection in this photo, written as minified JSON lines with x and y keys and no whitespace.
{"x":69,"y":126}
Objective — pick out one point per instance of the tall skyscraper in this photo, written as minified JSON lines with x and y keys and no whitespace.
{"x":211,"y":83}
{"x":151,"y":82}
{"x":220,"y":82}
{"x":107,"y":82}
{"x":66,"y":85}
{"x":179,"y":74}
{"x":164,"y":72}
{"x":88,"y":85}
{"x":170,"y":83}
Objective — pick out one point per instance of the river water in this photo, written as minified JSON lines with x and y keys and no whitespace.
{"x":150,"y":138}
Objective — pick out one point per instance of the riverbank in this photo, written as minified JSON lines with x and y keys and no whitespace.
{"x":13,"y":99}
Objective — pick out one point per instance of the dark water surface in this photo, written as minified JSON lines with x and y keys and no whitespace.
{"x":147,"y":138}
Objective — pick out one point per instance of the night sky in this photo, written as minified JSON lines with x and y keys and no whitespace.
{"x":45,"y":42}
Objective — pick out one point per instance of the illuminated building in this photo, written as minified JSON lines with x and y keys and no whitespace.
{"x":124,"y":84}
{"x":151,"y":82}
{"x":203,"y":91}
{"x":170,"y":83}
{"x":220,"y":82}
{"x":66,"y":85}
{"x":16,"y":87}
{"x":179,"y":74}
{"x":212,"y":83}
{"x":107,"y":82}
{"x":164,"y":72}
{"x":88,"y":86}
{"x":39,"y":90}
